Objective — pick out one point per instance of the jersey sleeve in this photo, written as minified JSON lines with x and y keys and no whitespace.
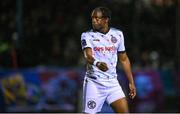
{"x":121,"y":46}
{"x":85,"y":41}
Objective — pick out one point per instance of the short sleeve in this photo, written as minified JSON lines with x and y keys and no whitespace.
{"x":121,"y":46}
{"x":85,"y":41}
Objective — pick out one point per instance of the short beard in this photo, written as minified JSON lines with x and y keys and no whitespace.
{"x":97,"y":29}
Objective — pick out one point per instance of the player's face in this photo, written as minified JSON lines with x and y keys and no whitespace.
{"x":98,"y":21}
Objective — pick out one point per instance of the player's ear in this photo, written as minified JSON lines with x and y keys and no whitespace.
{"x":107,"y":20}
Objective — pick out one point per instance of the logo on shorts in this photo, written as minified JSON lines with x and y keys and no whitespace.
{"x":91,"y":104}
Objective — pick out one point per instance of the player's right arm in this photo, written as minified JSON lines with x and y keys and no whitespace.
{"x":89,"y":58}
{"x":88,"y":54}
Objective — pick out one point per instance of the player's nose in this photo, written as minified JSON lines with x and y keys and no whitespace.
{"x":95,"y":22}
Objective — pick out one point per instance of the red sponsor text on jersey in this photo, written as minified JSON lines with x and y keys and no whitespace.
{"x":106,"y":48}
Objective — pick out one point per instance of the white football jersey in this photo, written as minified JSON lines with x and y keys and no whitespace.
{"x":105,"y":48}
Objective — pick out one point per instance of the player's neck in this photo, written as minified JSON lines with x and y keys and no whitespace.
{"x":104,"y":30}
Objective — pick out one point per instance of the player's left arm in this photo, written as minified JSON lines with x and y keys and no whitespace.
{"x":124,"y":60}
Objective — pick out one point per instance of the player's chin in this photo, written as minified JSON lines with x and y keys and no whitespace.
{"x":96,"y":27}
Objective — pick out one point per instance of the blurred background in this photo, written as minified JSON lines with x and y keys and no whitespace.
{"x":42,"y":65}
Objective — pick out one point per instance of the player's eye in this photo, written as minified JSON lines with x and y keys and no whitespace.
{"x":97,"y":17}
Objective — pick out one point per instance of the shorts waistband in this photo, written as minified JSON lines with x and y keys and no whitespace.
{"x":106,"y":77}
{"x":101,"y":77}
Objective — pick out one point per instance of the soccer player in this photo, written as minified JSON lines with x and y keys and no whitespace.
{"x":103,"y":46}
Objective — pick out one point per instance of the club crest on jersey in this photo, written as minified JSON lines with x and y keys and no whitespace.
{"x":83,"y":42}
{"x":113,"y":39}
{"x":91,"y":104}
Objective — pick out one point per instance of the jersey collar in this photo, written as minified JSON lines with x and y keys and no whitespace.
{"x":101,"y":32}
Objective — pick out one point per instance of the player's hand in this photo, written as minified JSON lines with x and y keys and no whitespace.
{"x":102,"y":66}
{"x":132,"y":88}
